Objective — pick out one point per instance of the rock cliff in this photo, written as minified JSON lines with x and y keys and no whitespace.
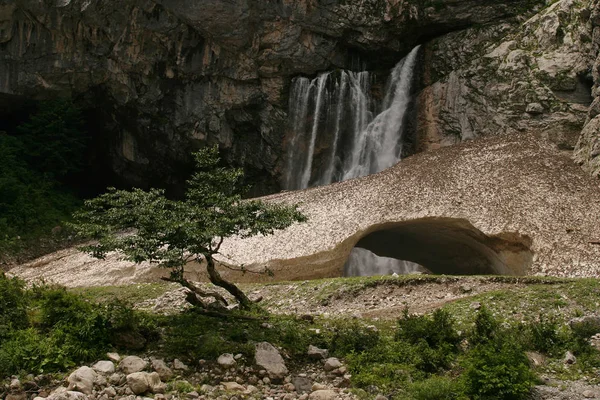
{"x":165,"y":76}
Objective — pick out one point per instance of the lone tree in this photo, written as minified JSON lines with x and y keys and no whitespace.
{"x":147,"y":226}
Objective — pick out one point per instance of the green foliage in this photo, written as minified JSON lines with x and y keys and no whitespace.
{"x":388,"y":365}
{"x":194,"y":336}
{"x":34,"y":161}
{"x":172,"y":232}
{"x":436,"y":388}
{"x":435,"y":337}
{"x":48,"y":329}
{"x":54,"y":139}
{"x":496,"y":366}
{"x":352,"y":337}
{"x":544,"y":336}
{"x":487,"y":328}
{"x":13,"y":311}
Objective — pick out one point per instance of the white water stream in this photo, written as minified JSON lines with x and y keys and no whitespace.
{"x":338,"y":134}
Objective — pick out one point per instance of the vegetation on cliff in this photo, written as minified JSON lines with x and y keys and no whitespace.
{"x":38,"y":160}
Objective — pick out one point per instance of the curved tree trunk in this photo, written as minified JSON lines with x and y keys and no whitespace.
{"x":216,"y":279}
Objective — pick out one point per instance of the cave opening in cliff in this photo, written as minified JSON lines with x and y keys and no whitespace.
{"x":446,"y":246}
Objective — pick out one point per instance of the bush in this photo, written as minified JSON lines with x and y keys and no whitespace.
{"x":37,"y":160}
{"x":13,"y":311}
{"x":435,"y":338}
{"x":496,"y":367}
{"x":352,"y":337}
{"x":544,"y":336}
{"x":388,"y":365}
{"x":48,"y":329}
{"x":436,"y":388}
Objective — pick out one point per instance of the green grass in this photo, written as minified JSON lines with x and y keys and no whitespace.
{"x":132,"y":294}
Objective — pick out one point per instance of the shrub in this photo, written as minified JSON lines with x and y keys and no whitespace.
{"x":544,"y":336}
{"x":486,"y":327}
{"x":435,"y":338}
{"x":496,"y":367}
{"x":13,"y":312}
{"x":352,"y":337}
{"x":388,"y":365}
{"x":436,"y":388}
{"x":30,"y":351}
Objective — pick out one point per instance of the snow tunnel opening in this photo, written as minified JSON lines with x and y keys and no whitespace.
{"x":447,"y":246}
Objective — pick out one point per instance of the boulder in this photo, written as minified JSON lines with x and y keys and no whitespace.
{"x":331,"y":364}
{"x":67,"y":395}
{"x":302,"y":384}
{"x":226,"y":360}
{"x":233,"y":386}
{"x":323,"y":395}
{"x":164,"y":372}
{"x":82,"y":380}
{"x":132,"y":364}
{"x":317,"y":354}
{"x":570,"y":358}
{"x":268,"y":357}
{"x":143,"y":382}
{"x":138,"y":382}
{"x":180,"y":366}
{"x":104,"y":367}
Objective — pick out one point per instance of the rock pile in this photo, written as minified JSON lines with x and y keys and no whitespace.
{"x":136,"y":378}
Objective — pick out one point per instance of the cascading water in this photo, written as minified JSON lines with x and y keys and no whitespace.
{"x":338,"y":135}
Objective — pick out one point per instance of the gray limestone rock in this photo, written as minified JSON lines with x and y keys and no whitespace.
{"x":132,"y":364}
{"x":268,"y":357}
{"x":82,"y":380}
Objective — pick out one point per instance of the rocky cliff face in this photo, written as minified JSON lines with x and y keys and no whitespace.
{"x":533,"y":75}
{"x":166,"y":76}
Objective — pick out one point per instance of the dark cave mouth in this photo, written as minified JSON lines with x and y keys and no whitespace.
{"x":448,"y":246}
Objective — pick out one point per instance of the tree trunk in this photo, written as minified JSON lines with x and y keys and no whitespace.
{"x":216,"y":279}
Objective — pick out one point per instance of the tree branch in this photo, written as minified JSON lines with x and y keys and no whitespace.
{"x":196,"y":290}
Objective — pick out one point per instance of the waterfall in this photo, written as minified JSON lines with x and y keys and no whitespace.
{"x":340,"y":132}
{"x":336,"y":132}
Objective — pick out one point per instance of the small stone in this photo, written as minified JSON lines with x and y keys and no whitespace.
{"x":233,"y":386}
{"x":178,"y":365}
{"x":289,"y":387}
{"x":82,"y":380}
{"x":475,"y":305}
{"x":207,"y":388}
{"x":104,"y":367}
{"x":15,"y":385}
{"x":132,"y":364}
{"x":316,"y":353}
{"x":192,"y":395}
{"x":251,"y":389}
{"x":266,"y":380}
{"x":21,"y":396}
{"x":114,"y":357}
{"x":381,"y":397}
{"x":589,"y":394}
{"x":323,"y":395}
{"x":570,"y":358}
{"x":331,"y":364}
{"x":164,"y":372}
{"x":268,"y":357}
{"x":534,"y":109}
{"x":117,"y":379}
{"x":226,"y":360}
{"x":535,"y":359}
{"x":318,"y":386}
{"x":302,"y":384}
{"x":138,"y":383}
{"x":110,"y":391}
